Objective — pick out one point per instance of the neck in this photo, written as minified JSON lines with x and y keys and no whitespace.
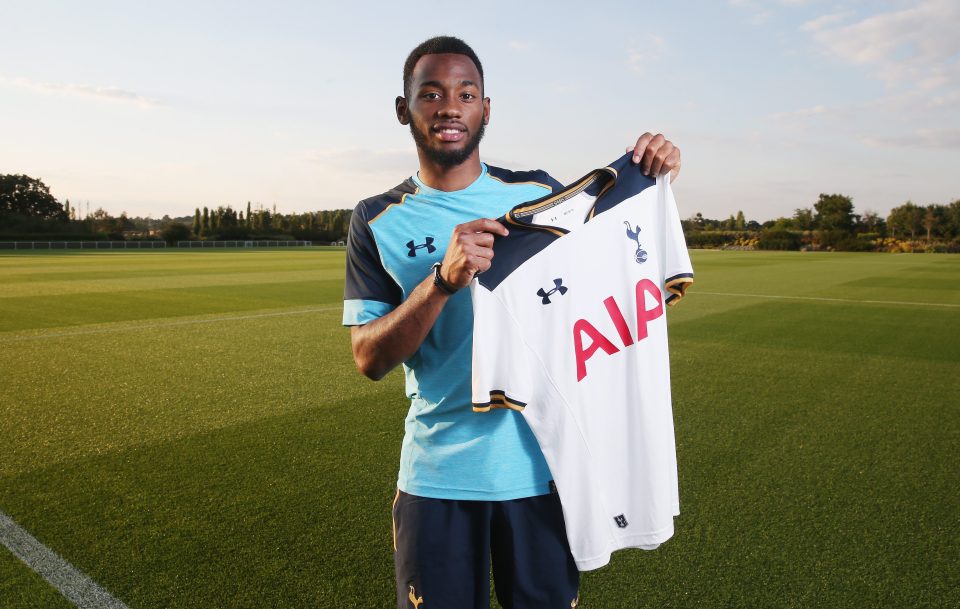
{"x":449,"y":179}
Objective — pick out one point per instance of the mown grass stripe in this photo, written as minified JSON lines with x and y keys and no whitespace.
{"x":181,"y":322}
{"x":70,"y":582}
{"x":825,"y":299}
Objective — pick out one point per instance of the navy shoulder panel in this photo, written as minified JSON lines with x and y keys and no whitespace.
{"x":366,"y":279}
{"x":374,"y":206}
{"x":629,"y":182}
{"x":536,"y":176}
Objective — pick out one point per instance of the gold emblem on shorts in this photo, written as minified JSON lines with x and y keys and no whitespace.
{"x":575,"y":602}
{"x":417,"y":601}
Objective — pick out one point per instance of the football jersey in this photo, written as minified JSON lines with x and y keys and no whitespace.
{"x":395,"y":238}
{"x":570,"y":331}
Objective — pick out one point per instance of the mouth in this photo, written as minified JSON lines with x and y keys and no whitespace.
{"x":450,"y":132}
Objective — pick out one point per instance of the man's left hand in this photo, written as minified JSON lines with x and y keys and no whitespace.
{"x":656,"y":155}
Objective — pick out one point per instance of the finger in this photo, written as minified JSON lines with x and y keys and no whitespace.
{"x":482,"y":265}
{"x":650,"y":152}
{"x":484,"y":240}
{"x":659,"y":165}
{"x":640,"y":146}
{"x":478,"y":252}
{"x":484,"y":225}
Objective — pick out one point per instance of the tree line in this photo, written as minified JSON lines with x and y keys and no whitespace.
{"x":832,"y":224}
{"x":29,"y":212}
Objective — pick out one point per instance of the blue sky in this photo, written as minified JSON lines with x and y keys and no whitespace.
{"x":162,"y":107}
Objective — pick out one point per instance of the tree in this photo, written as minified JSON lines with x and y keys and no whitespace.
{"x":834,"y":213}
{"x":907,"y":218}
{"x":871,"y":222}
{"x":952,"y":220}
{"x":205,"y":222}
{"x":22,"y":195}
{"x":803,"y":218}
{"x":175,"y":231}
{"x":930,"y":220}
{"x":196,"y":222}
{"x":741,"y":222}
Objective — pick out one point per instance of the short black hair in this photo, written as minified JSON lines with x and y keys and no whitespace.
{"x":436,"y":46}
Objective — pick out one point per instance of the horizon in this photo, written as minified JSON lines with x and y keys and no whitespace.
{"x":137,"y":110}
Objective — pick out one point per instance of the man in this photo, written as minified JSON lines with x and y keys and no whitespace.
{"x":471,"y":487}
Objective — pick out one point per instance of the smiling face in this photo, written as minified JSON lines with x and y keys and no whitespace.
{"x":445,"y":108}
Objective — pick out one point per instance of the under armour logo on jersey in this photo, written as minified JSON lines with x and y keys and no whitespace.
{"x":431,"y":248}
{"x":557,"y":287}
{"x":621,"y":521}
{"x":640,"y":255}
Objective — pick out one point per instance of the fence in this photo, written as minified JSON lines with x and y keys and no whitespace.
{"x":222,"y":244}
{"x":80,"y":245}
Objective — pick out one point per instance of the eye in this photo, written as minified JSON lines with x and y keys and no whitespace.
{"x":468,"y":96}
{"x":431,"y":95}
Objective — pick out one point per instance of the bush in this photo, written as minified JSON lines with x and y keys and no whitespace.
{"x":779,"y":239}
{"x":715,"y":238}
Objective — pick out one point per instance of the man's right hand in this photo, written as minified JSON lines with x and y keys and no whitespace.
{"x":470,"y":250}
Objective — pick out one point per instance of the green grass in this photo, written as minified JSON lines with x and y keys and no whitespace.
{"x":188,"y":429}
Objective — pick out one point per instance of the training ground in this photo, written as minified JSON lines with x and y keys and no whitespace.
{"x":187,"y":429}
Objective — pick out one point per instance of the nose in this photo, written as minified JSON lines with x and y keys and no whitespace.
{"x":450,"y":108}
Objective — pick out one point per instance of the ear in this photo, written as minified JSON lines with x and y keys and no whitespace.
{"x":402,"y":110}
{"x":486,"y":110}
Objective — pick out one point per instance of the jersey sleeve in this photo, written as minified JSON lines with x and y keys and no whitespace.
{"x":677,"y":270}
{"x":369,"y":291}
{"x":501,"y":362}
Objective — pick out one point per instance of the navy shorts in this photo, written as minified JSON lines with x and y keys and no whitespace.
{"x":443,"y":549}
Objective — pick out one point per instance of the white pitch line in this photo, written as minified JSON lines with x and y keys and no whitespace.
{"x":182,"y":322}
{"x":71,"y":583}
{"x":849,"y":300}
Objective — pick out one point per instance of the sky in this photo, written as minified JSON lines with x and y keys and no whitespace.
{"x":159,"y":108}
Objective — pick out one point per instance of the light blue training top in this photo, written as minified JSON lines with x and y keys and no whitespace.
{"x":449,"y":451}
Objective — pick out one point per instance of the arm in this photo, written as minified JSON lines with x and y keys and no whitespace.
{"x":382,"y":344}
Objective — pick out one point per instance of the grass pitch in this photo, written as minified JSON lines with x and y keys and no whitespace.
{"x":188,"y":429}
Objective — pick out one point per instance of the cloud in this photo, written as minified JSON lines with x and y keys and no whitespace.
{"x":916,"y":47}
{"x":921,"y":138}
{"x":114,"y":94}
{"x":365,"y":161}
{"x":824,"y":21}
{"x":802,"y":113}
{"x":759,"y":13}
{"x":647,"y":52}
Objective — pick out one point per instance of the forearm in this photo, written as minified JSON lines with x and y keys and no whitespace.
{"x":384,"y":343}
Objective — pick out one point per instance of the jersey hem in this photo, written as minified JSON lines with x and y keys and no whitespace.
{"x":475,"y":495}
{"x":636,"y":541}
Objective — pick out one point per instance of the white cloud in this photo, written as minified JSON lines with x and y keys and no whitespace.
{"x":647,"y":52}
{"x":114,"y":94}
{"x":918,"y":46}
{"x":815,"y":25}
{"x":388,"y":161}
{"x":921,"y":138}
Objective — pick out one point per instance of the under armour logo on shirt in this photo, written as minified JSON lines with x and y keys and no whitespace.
{"x":414,"y":247}
{"x":557,"y":287}
{"x":621,"y":521}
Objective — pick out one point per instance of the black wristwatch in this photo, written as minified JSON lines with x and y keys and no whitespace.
{"x":440,"y":283}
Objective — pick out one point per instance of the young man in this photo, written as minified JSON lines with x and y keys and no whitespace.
{"x":471,"y":487}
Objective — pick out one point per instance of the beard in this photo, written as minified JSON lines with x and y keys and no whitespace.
{"x":442,"y":157}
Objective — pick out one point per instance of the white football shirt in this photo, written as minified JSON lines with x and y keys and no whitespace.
{"x":570,"y":330}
